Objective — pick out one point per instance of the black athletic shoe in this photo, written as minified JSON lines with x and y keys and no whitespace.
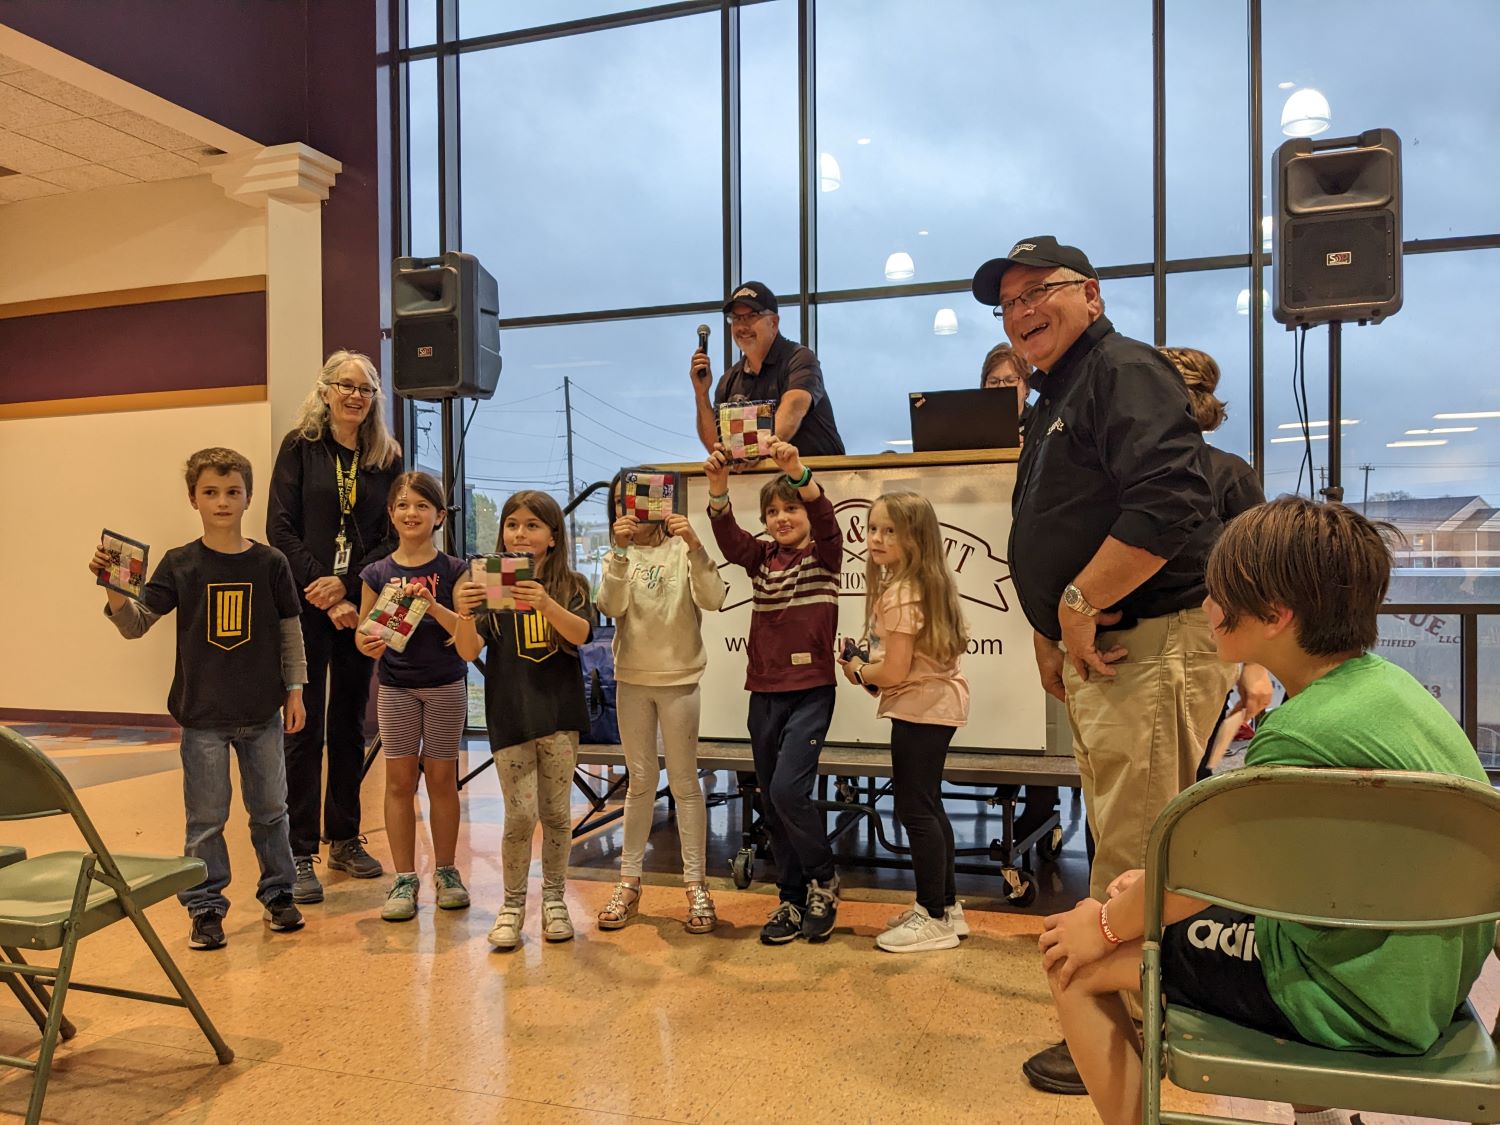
{"x":822,"y":910}
{"x":282,"y":913}
{"x":784,"y":925}
{"x":1053,"y":1072}
{"x":207,"y":932}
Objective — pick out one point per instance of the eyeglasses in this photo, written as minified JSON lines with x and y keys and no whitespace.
{"x":745,"y":318}
{"x":349,"y":390}
{"x":1032,"y":297}
{"x":1012,"y":381}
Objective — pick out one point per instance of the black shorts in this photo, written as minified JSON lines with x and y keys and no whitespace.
{"x":1209,"y":962}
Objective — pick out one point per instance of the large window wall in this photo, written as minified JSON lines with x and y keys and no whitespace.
{"x":619,"y":167}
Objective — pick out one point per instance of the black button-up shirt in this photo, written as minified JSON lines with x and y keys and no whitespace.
{"x":788,"y":366}
{"x":1112,"y":449}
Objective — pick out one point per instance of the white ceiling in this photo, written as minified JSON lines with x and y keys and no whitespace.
{"x":58,"y":138}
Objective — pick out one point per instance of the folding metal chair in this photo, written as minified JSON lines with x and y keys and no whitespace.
{"x":53,"y":901}
{"x":1365,"y":849}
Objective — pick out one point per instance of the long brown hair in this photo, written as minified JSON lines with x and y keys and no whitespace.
{"x":924,"y":564}
{"x":424,"y":485}
{"x":554,"y":573}
{"x":1200,"y":373}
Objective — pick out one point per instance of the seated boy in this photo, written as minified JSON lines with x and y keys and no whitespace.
{"x":1294,"y":586}
{"x":239,"y":660}
{"x":790,"y":676}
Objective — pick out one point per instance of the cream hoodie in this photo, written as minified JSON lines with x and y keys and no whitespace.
{"x":657,"y":596}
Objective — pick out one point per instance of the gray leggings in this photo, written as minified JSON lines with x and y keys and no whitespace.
{"x":535,"y":780}
{"x":641,"y":710}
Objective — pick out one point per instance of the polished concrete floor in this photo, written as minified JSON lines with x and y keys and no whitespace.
{"x":357,"y":1020}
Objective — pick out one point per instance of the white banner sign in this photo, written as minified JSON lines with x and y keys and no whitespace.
{"x":973,"y":507}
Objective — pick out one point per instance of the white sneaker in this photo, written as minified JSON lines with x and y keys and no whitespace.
{"x":556,"y":925}
{"x":506,"y":932}
{"x":954,"y":916}
{"x":919,"y":933}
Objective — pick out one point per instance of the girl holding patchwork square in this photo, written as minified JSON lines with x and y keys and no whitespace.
{"x":423,"y":697}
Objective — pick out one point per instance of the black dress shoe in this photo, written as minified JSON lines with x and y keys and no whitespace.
{"x":1052,"y":1071}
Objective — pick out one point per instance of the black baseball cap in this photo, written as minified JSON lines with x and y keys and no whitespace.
{"x":754,"y":294}
{"x":1039,"y":250}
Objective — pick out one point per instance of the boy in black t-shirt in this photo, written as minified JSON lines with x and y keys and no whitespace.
{"x":239,"y":660}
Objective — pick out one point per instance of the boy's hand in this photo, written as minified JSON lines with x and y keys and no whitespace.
{"x":682,"y":528}
{"x":100,"y":562}
{"x":623,"y":530}
{"x":468,"y":595}
{"x":533,"y":593}
{"x":324,"y":593}
{"x":1073,"y":940}
{"x":344,"y":615}
{"x":787,"y":459}
{"x":295,"y":712}
{"x":716,"y":469}
{"x":1124,"y":881}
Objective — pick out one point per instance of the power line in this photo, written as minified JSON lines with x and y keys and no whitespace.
{"x":529,"y":398}
{"x":637,"y":418}
{"x":646,"y":445}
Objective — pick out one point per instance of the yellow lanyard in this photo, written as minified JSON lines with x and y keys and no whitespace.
{"x":348,"y":487}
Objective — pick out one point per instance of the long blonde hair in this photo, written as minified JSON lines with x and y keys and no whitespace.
{"x":376,"y":444}
{"x":944,"y":633}
{"x":554,"y":573}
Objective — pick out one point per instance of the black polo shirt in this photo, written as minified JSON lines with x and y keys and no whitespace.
{"x":788,"y":366}
{"x":1112,"y":449}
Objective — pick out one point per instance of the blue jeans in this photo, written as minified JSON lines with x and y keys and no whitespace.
{"x":205,"y":794}
{"x":787,"y":729}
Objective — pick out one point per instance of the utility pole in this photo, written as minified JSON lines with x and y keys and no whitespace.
{"x":1364,"y":507}
{"x":572,"y":483}
{"x":1323,"y":482}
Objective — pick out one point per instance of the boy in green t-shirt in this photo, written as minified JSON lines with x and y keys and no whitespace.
{"x":1295,"y":586}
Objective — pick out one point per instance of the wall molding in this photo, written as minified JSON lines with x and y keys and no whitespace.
{"x":146,"y":295}
{"x":146,"y":400}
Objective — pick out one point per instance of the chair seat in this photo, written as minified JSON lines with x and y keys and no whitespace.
{"x":1458,"y":1079}
{"x":37,"y":894}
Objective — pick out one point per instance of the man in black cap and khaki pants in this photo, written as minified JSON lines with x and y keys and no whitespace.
{"x":771,"y":369}
{"x":1112,"y":525}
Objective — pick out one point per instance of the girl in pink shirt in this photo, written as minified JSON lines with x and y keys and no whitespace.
{"x":916,"y":634}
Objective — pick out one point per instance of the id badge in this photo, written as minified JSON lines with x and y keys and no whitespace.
{"x":341,"y":558}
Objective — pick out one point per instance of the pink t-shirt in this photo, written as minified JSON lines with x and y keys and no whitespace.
{"x":932,"y":693}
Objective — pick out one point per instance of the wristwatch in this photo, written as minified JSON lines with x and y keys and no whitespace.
{"x":1073,"y":598}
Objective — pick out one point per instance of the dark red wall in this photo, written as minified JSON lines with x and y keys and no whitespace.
{"x":276,"y":71}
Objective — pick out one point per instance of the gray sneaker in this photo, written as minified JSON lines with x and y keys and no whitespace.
{"x":306,"y":888}
{"x":350,"y":856}
{"x":401,"y":902}
{"x":451,"y":892}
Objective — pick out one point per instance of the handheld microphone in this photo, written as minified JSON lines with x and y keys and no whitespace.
{"x":703,"y":338}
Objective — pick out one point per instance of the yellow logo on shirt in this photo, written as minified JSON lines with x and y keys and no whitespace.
{"x":229,"y":614}
{"x":535,"y":640}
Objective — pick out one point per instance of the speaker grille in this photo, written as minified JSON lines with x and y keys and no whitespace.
{"x":1340,"y":260}
{"x":425,"y":354}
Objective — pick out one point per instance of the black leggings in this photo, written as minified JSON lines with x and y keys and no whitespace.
{"x":917,"y":753}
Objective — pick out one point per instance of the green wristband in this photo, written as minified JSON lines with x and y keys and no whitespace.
{"x":801,"y":482}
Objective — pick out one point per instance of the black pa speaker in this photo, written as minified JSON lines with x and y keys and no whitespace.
{"x":1338,"y":229}
{"x":445,"y":328}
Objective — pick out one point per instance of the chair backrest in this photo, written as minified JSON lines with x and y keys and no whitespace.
{"x":30,"y":784}
{"x":1373,"y":849}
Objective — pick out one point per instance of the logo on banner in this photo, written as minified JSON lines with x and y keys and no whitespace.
{"x":983,"y":576}
{"x":229,"y":614}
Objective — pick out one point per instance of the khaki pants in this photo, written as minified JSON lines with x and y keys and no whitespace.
{"x":1140,"y":735}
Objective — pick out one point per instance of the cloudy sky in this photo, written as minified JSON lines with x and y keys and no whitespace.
{"x":591,"y":181}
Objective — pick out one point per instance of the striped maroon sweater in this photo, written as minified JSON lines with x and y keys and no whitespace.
{"x":795,"y":612}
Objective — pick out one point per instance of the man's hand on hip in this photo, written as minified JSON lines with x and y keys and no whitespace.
{"x":1078,"y":637}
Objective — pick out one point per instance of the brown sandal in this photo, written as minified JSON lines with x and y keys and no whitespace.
{"x":621,"y":907}
{"x":701,"y":917}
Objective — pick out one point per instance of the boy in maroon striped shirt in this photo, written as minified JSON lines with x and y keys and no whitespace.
{"x":790,"y":675}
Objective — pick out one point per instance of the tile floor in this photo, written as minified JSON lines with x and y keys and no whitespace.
{"x":358,"y":1020}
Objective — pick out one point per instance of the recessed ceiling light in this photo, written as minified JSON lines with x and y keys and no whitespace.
{"x":863,"y":141}
{"x":1316,"y":425}
{"x":1310,"y":437}
{"x":1419,"y":431}
{"x":1452,"y":429}
{"x":900,"y":441}
{"x":1410,"y":444}
{"x":1285,"y":85}
{"x":1471,"y":414}
{"x":921,"y":232}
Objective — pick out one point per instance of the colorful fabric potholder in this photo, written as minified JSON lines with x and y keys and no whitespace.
{"x":395,"y":616}
{"x":498,"y":574}
{"x":746,"y":429}
{"x":651,"y":495}
{"x":127,"y":563}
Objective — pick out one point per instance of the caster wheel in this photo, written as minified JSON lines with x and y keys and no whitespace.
{"x":742,"y":868}
{"x":1020,"y":888}
{"x":1049,"y":847}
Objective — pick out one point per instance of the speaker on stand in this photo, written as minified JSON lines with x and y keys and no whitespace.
{"x":445,"y":345}
{"x":1337,"y":246}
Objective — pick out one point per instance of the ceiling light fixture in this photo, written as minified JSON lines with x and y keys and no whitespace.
{"x":1411,"y":444}
{"x":1306,"y":113}
{"x":1470,"y":414}
{"x":830,"y":176}
{"x":1286,"y":440}
{"x":899,"y":266}
{"x":945,"y":323}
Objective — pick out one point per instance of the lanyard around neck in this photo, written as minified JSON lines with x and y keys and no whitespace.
{"x":348,"y":485}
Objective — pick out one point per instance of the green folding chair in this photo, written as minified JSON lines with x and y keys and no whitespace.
{"x":10,"y":854}
{"x":1369,"y":849}
{"x":52,"y":901}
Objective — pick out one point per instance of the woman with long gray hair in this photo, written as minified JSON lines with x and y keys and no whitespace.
{"x":328,"y":517}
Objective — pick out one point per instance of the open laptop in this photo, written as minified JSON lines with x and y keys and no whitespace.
{"x":973,"y":419}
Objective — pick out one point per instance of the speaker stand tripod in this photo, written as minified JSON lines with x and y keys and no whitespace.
{"x":1334,"y":489}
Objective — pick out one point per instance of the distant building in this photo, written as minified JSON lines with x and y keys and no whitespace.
{"x":1442,"y":531}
